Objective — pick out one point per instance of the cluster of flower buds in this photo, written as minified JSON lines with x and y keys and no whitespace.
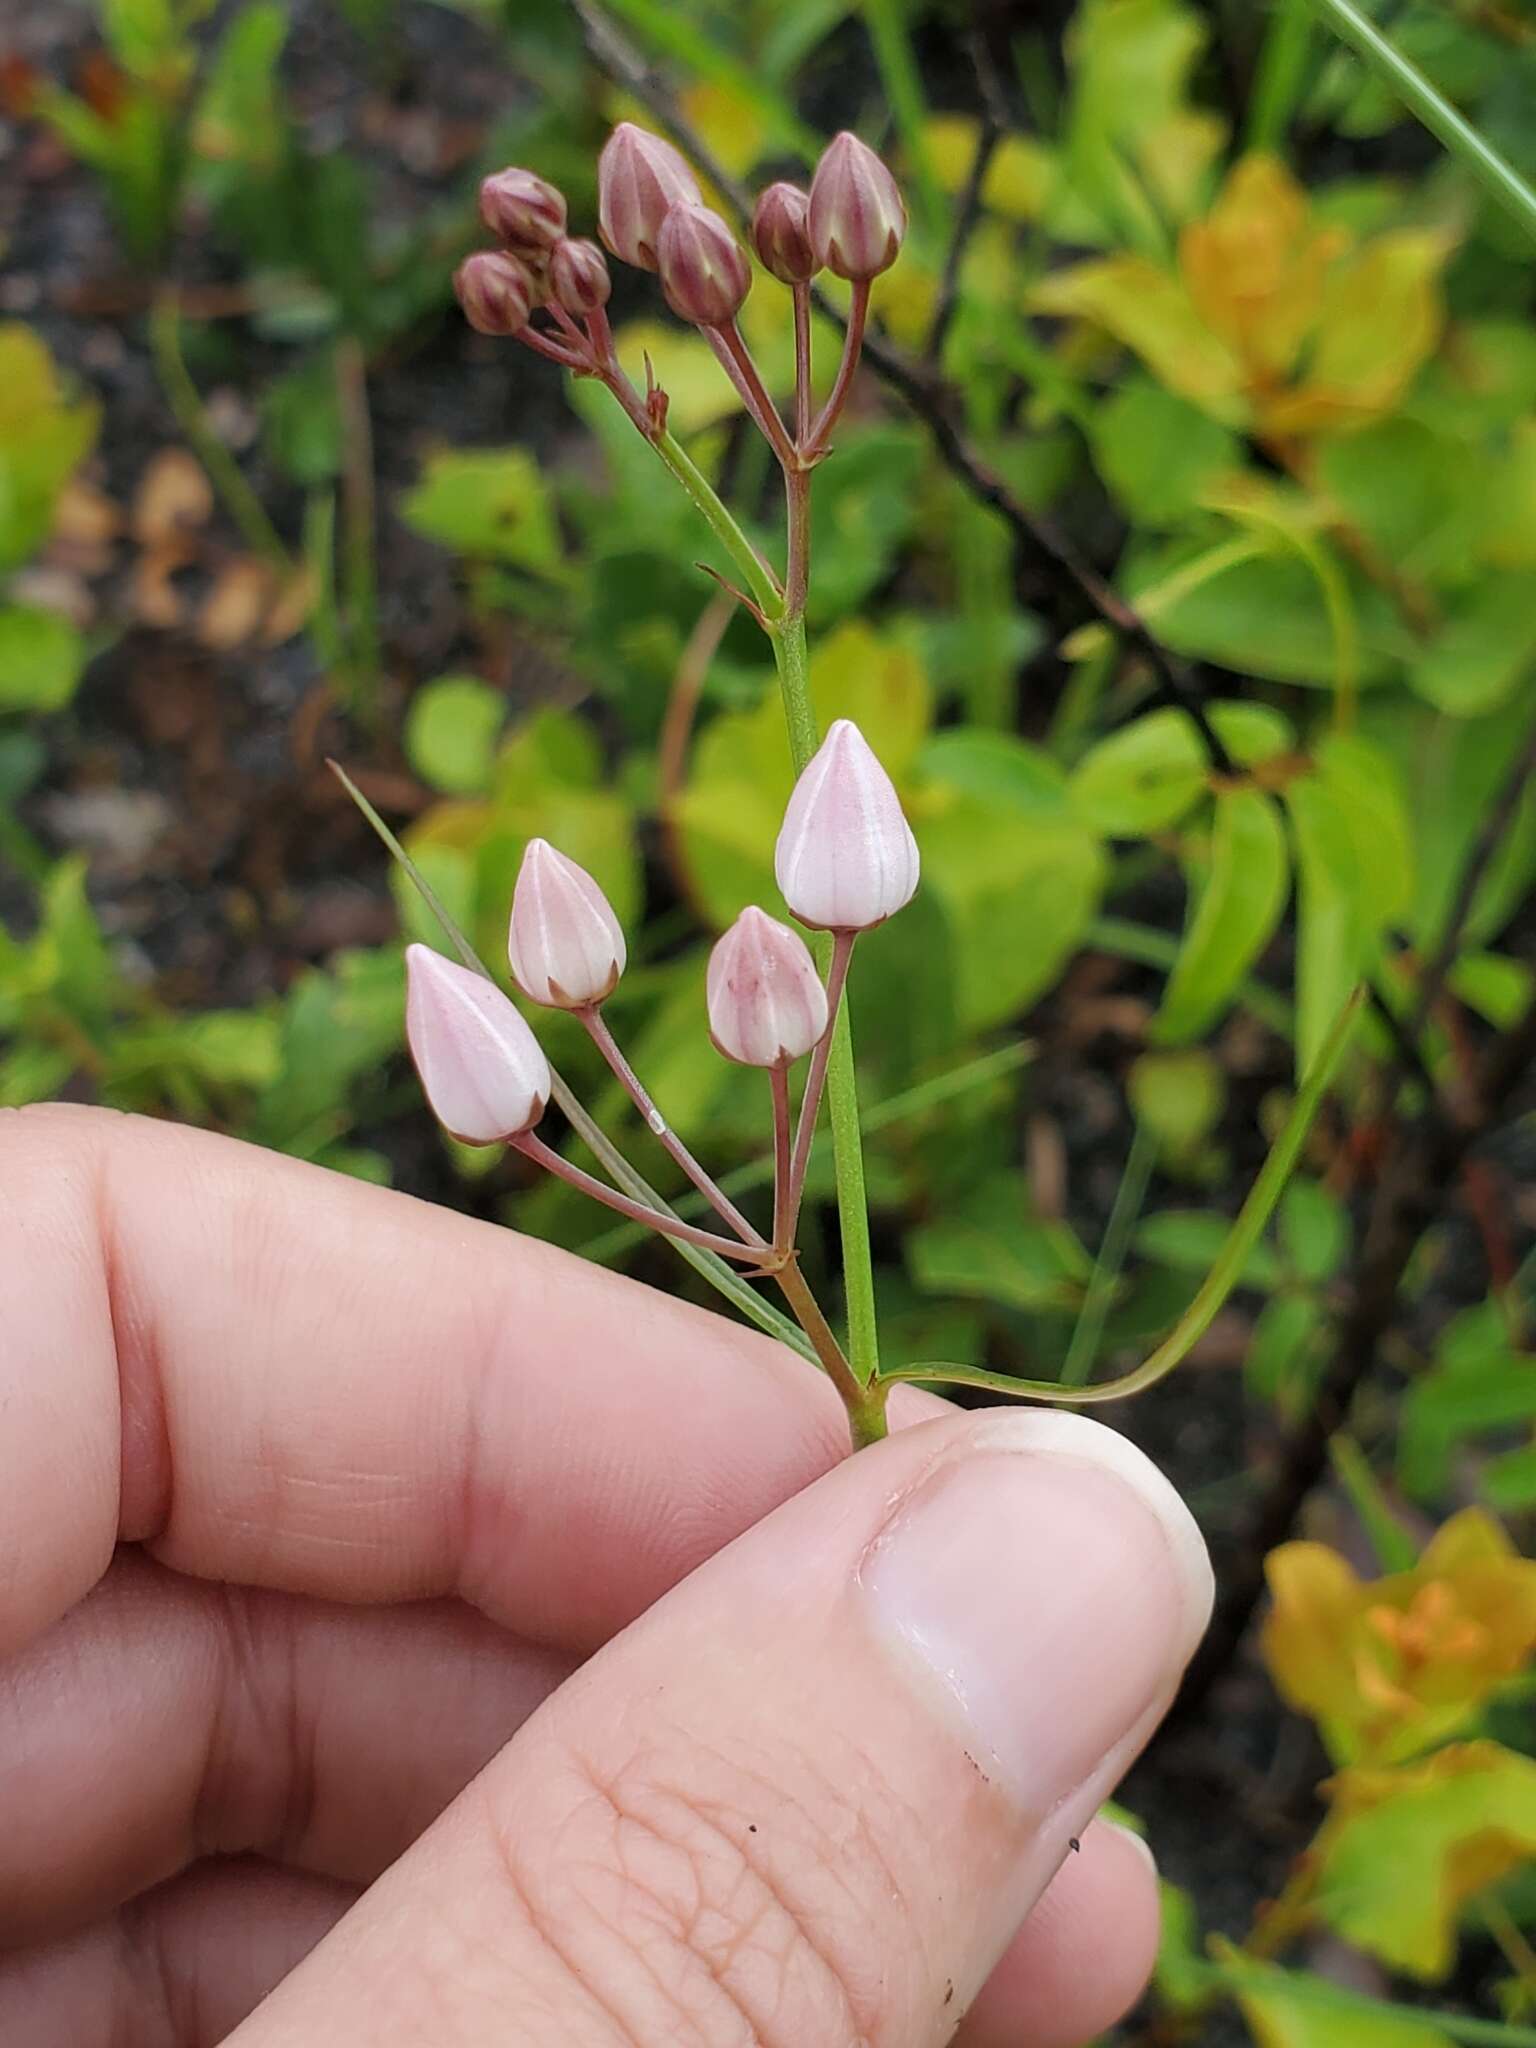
{"x":537,"y":264}
{"x":846,"y":860}
{"x":652,"y":214}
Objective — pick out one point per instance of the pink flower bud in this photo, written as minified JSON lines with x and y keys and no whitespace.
{"x":523,"y":210}
{"x":495,"y":291}
{"x":781,"y":234}
{"x":846,"y":858}
{"x":483,"y":1070}
{"x":766,"y":1002}
{"x":578,"y":277}
{"x":704,"y":271}
{"x":564,"y":942}
{"x":639,"y":179}
{"x":857,"y":220}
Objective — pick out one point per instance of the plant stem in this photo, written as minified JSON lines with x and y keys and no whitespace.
{"x":837,"y":980}
{"x":1494,"y":173}
{"x":783,"y":1197}
{"x":736,"y":360}
{"x":802,"y":298}
{"x":837,"y":397}
{"x":657,"y":1125}
{"x":865,"y":1402}
{"x":789,"y":652}
{"x":533,"y":1147}
{"x":760,"y":578}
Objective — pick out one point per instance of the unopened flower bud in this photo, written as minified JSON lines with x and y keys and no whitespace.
{"x":522,"y":210}
{"x":781,"y":234}
{"x":846,"y":858}
{"x":857,"y":218}
{"x":766,"y":1002}
{"x":564,"y":942}
{"x":495,"y":291}
{"x":483,"y":1070}
{"x":578,"y":277}
{"x":640,"y":178}
{"x":704,"y":271}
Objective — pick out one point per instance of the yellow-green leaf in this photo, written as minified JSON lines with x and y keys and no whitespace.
{"x":1404,"y":1850}
{"x":1150,"y":310}
{"x":1236,"y":908}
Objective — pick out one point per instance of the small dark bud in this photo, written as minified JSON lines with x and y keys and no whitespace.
{"x":858,"y":220}
{"x":781,"y":234}
{"x":704,"y":271}
{"x":578,"y":277}
{"x":523,"y":211}
{"x":495,"y":291}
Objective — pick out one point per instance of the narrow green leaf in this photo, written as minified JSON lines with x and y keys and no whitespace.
{"x":1245,"y":1233}
{"x":1235,"y":914}
{"x":1330,"y":935}
{"x":708,"y":1264}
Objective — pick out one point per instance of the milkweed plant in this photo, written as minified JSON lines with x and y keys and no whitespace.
{"x":846,"y":860}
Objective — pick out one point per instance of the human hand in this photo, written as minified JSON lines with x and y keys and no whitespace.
{"x":316,"y":1501}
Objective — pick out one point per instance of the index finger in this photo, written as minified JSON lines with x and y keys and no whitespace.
{"x":271,"y":1374}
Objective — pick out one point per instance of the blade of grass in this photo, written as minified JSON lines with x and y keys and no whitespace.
{"x":1245,"y":1233}
{"x":1280,"y":76}
{"x":707,"y":1264}
{"x":1395,"y":1549}
{"x":1124,"y":1214}
{"x":185,"y":401}
{"x":886,"y":22}
{"x":1497,"y":176}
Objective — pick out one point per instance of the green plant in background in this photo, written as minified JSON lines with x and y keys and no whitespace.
{"x":1282,"y":392}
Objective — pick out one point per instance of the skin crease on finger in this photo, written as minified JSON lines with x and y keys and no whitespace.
{"x":181,"y":1967}
{"x":275,"y":1211}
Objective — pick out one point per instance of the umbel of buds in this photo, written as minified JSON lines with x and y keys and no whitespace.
{"x":523,"y":211}
{"x":857,"y":220}
{"x":640,"y":178}
{"x":845,"y":858}
{"x":766,"y":1002}
{"x":565,"y":945}
{"x":704,"y":272}
{"x":781,"y":234}
{"x":578,"y":277}
{"x":482,"y":1068}
{"x":495,"y":291}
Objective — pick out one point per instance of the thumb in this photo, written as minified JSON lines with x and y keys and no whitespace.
{"x":806,"y":1800}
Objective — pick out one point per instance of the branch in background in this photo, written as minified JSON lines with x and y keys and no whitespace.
{"x":927,"y":396}
{"x":994,"y":122}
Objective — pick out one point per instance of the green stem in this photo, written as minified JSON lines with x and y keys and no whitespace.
{"x":759,"y":577}
{"x":185,"y":401}
{"x":1494,"y":173}
{"x":1129,"y":1196}
{"x":789,"y":652}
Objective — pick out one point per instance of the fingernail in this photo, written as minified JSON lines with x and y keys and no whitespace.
{"x":1046,"y":1585}
{"x":1139,"y":1843}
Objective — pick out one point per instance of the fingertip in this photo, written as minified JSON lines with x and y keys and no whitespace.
{"x":1083,"y":1957}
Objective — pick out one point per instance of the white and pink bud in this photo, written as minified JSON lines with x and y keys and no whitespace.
{"x":564,"y":942}
{"x":640,"y":178}
{"x":781,"y":234}
{"x":578,"y":277}
{"x":496,"y":292}
{"x":523,"y":210}
{"x":705,"y":275}
{"x":766,"y":1002}
{"x":845,"y":858}
{"x":483,"y":1070}
{"x":857,"y":219}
